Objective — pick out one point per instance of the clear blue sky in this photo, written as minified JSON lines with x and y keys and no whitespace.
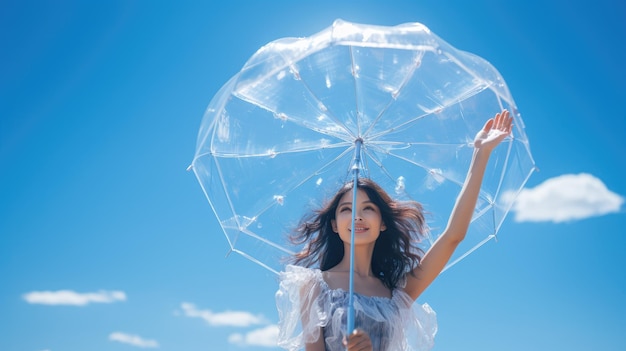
{"x":100,"y":106}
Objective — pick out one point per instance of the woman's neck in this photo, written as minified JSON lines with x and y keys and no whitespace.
{"x":362,"y":260}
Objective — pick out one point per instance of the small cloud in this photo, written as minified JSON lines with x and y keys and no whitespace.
{"x":267,"y":337}
{"x":227,"y":318}
{"x":566,"y":198}
{"x":133,"y":340}
{"x":69,"y":297}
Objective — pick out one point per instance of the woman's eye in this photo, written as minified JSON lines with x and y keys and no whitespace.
{"x":344,"y":209}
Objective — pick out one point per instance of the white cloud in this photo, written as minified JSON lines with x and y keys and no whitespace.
{"x":566,"y":198}
{"x":69,"y":297}
{"x":267,"y":336}
{"x":134,"y":340}
{"x":227,"y":318}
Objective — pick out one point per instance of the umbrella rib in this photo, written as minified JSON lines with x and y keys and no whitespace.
{"x":380,"y":165}
{"x":518,"y":191}
{"x":489,"y":84}
{"x":505,"y":166}
{"x":411,"y":143}
{"x":329,"y":113}
{"x":394,"y":94}
{"x":302,"y":122}
{"x":255,"y":260}
{"x":311,"y":126}
{"x":393,"y":129}
{"x":346,"y":151}
{"x":426,"y":168}
{"x":384,"y":170}
{"x":273,"y":154}
{"x":304,"y":180}
{"x":459,"y":99}
{"x":356,"y":87}
{"x":409,"y":161}
{"x":252,"y":234}
{"x":483,"y":242}
{"x":458,"y":183}
{"x":230,"y":203}
{"x":211,"y":130}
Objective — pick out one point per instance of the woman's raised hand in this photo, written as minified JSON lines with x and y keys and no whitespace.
{"x":494,"y":131}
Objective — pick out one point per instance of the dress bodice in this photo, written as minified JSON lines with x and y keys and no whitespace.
{"x":306,"y":305}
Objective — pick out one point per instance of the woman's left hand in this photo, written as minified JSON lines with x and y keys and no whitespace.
{"x":494,"y":131}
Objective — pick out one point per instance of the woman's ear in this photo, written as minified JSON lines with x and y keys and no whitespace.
{"x":383,"y":227}
{"x":333,"y":223}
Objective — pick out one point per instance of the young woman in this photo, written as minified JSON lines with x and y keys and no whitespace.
{"x":390,"y":272}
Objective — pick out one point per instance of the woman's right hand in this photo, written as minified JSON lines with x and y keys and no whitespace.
{"x":494,"y":131}
{"x":358,"y":341}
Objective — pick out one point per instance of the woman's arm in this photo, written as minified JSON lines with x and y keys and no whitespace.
{"x":318,"y":345}
{"x":433,"y":262}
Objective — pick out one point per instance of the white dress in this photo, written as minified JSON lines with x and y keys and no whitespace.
{"x":305,"y":304}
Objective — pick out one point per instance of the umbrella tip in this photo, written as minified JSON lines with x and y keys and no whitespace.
{"x":190,"y":168}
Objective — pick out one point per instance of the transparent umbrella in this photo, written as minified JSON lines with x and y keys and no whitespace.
{"x":287,"y":131}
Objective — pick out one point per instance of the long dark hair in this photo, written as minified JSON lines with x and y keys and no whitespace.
{"x":396,"y":251}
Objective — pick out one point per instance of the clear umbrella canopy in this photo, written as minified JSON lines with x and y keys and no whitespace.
{"x":280,"y":137}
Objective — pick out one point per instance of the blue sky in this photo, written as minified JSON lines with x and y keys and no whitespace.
{"x":107,"y":243}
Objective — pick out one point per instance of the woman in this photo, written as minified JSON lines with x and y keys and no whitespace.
{"x":390,"y":272}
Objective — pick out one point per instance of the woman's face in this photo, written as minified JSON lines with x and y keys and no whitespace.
{"x":368,"y":220}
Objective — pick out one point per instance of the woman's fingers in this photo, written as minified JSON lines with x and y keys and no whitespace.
{"x":359,"y":341}
{"x":502,"y":120}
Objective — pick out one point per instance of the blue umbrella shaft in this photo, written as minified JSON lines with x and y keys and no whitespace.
{"x":357,"y":165}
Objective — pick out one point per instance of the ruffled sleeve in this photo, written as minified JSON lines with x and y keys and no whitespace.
{"x":419,"y":323}
{"x":297,"y":301}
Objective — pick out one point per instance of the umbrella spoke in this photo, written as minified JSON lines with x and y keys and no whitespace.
{"x":308,"y":178}
{"x":415,"y":63}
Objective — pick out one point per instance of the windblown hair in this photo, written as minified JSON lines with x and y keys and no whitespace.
{"x":396,"y":250}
